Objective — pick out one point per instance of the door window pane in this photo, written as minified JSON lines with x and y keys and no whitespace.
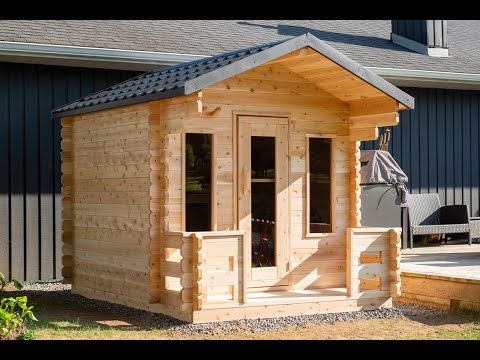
{"x":263,"y":224}
{"x":320,"y":185}
{"x":263,"y":157}
{"x":198,"y":182}
{"x":263,"y":197}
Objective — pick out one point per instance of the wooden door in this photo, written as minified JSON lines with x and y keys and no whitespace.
{"x":263,"y":207}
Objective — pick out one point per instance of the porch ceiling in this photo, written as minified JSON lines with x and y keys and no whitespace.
{"x":329,"y":76}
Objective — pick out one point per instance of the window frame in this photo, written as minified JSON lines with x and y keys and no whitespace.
{"x":309,"y":234}
{"x":213,"y":174}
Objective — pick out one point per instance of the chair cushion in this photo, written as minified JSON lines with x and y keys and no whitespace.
{"x":440,"y":229}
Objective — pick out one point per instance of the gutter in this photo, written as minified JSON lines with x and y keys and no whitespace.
{"x":425,"y":75}
{"x":94,"y":54}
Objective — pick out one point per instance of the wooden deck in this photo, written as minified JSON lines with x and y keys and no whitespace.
{"x":447,"y":275}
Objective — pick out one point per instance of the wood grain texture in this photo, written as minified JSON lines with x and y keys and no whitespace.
{"x":124,"y":195}
{"x":107,"y":218}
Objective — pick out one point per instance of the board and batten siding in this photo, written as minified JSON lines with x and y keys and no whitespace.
{"x":30,"y":201}
{"x":437,"y":145}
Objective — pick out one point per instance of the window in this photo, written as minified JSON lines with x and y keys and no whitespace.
{"x":319,"y":185}
{"x":263,"y":201}
{"x":198,"y":182}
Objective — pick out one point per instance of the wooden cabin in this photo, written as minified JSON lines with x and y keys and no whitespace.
{"x":228,"y":187}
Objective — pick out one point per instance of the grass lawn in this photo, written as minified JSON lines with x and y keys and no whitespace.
{"x":65,"y":319}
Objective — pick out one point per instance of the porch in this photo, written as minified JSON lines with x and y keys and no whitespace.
{"x":207,"y":272}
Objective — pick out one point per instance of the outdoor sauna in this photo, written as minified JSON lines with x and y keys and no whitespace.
{"x":229,"y":187}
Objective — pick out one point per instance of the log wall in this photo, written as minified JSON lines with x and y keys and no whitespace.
{"x":106,"y":198}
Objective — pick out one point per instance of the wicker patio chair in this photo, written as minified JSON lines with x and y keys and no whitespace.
{"x":427,"y":217}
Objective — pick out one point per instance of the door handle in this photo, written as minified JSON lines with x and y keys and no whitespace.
{"x":245,"y":180}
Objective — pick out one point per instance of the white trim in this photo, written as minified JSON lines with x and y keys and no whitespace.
{"x":418,"y":47}
{"x":94,"y":54}
{"x":426,"y":75}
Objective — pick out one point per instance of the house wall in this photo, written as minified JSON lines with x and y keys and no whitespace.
{"x":437,"y":145}
{"x":106,"y":201}
{"x":30,"y":203}
{"x":316,"y":261}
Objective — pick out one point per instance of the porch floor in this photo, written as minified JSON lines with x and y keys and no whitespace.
{"x":459,"y":261}
{"x":282,"y":297}
{"x":294,"y":296}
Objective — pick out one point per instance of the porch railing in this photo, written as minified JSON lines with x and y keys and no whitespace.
{"x":373,"y":262}
{"x":203,"y":268}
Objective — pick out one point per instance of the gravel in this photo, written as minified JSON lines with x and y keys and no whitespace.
{"x":164,"y":322}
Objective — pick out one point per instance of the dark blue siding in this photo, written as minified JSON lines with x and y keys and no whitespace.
{"x":437,"y":145}
{"x":30,"y":200}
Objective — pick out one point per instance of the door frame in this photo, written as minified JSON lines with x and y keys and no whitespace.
{"x":283,"y":248}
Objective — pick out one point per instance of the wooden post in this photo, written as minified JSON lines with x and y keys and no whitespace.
{"x":198,"y":288}
{"x":394,"y":265}
{"x":350,"y":280}
{"x":355,"y":212}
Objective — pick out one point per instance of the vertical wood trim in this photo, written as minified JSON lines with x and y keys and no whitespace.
{"x":244,"y":272}
{"x":183,"y":177}
{"x":350,"y":281}
{"x":307,"y":185}
{"x":213,"y":164}
{"x":244,"y":204}
{"x":355,"y":179}
{"x":235,"y":172}
{"x":282,"y":198}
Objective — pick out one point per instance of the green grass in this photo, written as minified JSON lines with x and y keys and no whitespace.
{"x":27,"y":335}
{"x":51,"y":328}
{"x":470,"y":334}
{"x":467,"y":334}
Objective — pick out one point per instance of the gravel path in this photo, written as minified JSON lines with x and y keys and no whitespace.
{"x":160,"y":321}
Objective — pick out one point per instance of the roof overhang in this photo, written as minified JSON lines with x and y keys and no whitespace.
{"x":289,"y":46}
{"x":333,"y":72}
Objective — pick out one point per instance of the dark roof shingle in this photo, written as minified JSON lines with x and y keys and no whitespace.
{"x":156,"y":84}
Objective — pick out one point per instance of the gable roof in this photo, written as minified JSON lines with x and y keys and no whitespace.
{"x":365,"y":41}
{"x":188,"y":78}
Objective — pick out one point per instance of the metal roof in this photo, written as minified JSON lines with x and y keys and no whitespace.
{"x":189,"y":77}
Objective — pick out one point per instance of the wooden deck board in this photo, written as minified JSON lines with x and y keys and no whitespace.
{"x":461,"y":261}
{"x":447,"y":276}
